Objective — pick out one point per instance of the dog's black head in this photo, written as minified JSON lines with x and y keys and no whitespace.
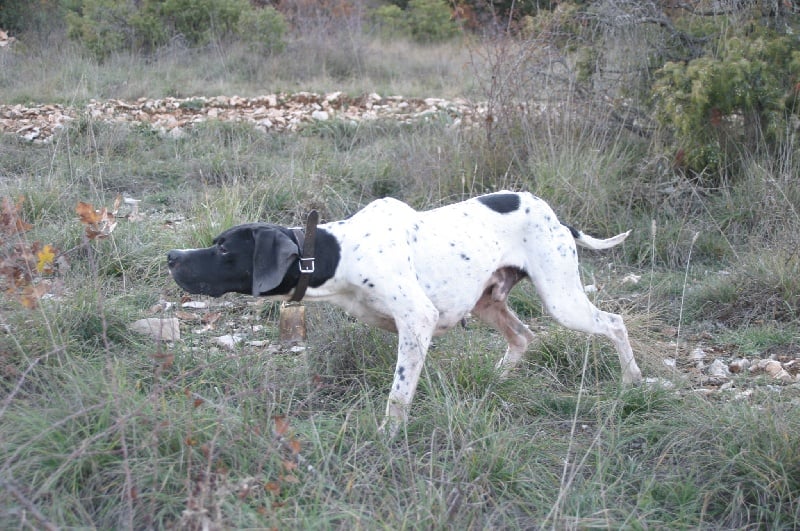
{"x":255,"y":259}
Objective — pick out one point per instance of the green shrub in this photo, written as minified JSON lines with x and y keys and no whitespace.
{"x":17,"y":15}
{"x":735,"y":96}
{"x":103,"y":26}
{"x":109,"y":26}
{"x":263,"y":28}
{"x":425,"y":21}
{"x":431,"y":21}
{"x":392,"y":21}
{"x":198,"y":20}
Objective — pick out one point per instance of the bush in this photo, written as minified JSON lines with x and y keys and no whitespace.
{"x":109,"y":26}
{"x":392,"y":21}
{"x":737,"y":96}
{"x":425,"y":21}
{"x":263,"y":28}
{"x":199,"y":20}
{"x":17,"y":16}
{"x":103,"y":26}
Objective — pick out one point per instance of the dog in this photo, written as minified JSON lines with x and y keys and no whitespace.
{"x":418,"y":274}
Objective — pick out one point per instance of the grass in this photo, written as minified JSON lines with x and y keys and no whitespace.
{"x":102,"y":427}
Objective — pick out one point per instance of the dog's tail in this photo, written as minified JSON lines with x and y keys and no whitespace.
{"x":584,"y":240}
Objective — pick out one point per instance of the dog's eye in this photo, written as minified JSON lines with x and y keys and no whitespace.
{"x":222,"y":249}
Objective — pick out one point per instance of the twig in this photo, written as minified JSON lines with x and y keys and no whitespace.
{"x":29,"y":506}
{"x":683,"y":293}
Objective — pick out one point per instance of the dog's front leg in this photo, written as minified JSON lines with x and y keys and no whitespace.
{"x":414,"y":338}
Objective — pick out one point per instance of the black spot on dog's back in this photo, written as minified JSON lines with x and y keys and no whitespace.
{"x":501,"y":203}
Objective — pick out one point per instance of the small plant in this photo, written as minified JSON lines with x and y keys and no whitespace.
{"x":25,"y":268}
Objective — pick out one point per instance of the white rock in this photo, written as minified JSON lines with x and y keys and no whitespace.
{"x":669,"y":362}
{"x":197,"y":305}
{"x":740,"y":365}
{"x":161,"y":329}
{"x":320,"y":115}
{"x":659,"y":382}
{"x":229,"y":341}
{"x":743,"y":394}
{"x":718,"y":369}
{"x":698,"y":354}
{"x":773,"y":368}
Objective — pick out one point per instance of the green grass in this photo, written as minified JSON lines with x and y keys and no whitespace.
{"x":102,"y":427}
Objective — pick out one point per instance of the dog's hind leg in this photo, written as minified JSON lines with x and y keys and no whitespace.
{"x":562,"y":293}
{"x":492,"y":309}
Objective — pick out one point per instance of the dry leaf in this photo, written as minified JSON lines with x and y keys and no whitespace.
{"x":31,"y":294}
{"x":10,"y":222}
{"x":294,"y":445}
{"x":211,"y":318}
{"x":281,"y":425}
{"x":290,"y":478}
{"x":99,"y":223}
{"x":46,"y":257}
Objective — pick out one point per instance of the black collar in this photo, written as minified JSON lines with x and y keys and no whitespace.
{"x":307,"y":259}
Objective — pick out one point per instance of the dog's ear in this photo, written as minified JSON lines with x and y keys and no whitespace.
{"x":274,"y":253}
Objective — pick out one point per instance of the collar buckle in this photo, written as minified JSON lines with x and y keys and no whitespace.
{"x":306,"y":265}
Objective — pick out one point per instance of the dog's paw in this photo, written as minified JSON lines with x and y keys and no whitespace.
{"x":389,"y":428}
{"x":632,"y":378}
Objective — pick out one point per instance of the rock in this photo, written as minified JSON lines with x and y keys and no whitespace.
{"x":631,"y":278}
{"x":718,"y":369}
{"x":740,"y":365}
{"x":229,"y":341}
{"x":697,"y":356}
{"x":773,"y":368}
{"x":743,"y":394}
{"x":161,"y":329}
{"x":659,"y":382}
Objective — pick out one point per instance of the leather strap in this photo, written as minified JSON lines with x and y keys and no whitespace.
{"x":307,"y":259}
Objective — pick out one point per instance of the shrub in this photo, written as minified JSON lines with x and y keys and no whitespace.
{"x":431,"y":21}
{"x":198,"y":20}
{"x":263,"y":28}
{"x":738,"y":94}
{"x":392,"y":21}
{"x":109,"y":26}
{"x":17,"y":15}
{"x":425,"y":21}
{"x":103,"y":26}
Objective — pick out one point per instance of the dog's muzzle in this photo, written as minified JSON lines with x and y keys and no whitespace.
{"x":173,"y":260}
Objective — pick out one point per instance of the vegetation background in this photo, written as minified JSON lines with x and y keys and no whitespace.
{"x":677,"y":119}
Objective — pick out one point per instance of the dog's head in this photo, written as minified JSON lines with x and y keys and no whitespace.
{"x":255,"y":259}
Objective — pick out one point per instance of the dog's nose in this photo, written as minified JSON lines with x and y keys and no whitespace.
{"x":172,"y":258}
